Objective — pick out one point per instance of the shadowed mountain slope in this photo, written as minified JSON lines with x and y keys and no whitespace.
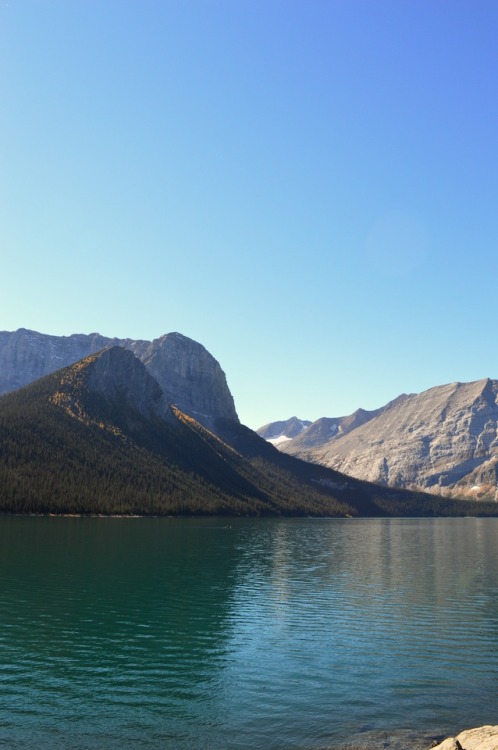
{"x":100,"y":437}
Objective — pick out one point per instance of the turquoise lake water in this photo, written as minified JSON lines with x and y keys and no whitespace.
{"x":205,"y":634}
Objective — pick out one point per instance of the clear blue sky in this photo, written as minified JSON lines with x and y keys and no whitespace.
{"x":309,"y":189}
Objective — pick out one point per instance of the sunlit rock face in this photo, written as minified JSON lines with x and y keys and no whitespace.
{"x":443,"y":440}
{"x":481,"y":738}
{"x":189,"y":376}
{"x":187,"y":373}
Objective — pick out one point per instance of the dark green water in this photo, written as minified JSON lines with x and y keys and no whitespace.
{"x":206,"y":634}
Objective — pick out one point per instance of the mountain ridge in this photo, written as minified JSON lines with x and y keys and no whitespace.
{"x":99,"y":437}
{"x":187,"y":373}
{"x":443,"y":440}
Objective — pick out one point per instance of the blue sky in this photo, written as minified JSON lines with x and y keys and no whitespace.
{"x":309,"y":188}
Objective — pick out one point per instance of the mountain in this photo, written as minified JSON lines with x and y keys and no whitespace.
{"x":280,"y":432}
{"x":187,"y":373}
{"x":100,"y":436}
{"x":443,"y":440}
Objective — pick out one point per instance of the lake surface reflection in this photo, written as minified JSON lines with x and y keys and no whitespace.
{"x":206,"y":633}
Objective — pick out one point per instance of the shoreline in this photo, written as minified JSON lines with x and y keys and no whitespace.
{"x":484,"y":737}
{"x":390,"y":739}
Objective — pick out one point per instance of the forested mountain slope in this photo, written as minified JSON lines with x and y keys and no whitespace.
{"x":100,"y":437}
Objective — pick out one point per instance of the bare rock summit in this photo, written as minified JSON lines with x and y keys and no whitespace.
{"x":188,"y":375}
{"x":443,"y":440}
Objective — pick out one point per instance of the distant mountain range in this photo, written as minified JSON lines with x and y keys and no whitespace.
{"x":116,"y":426}
{"x":100,"y":436}
{"x":442,"y":441}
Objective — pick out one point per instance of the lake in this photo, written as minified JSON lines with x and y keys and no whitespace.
{"x":205,"y":634}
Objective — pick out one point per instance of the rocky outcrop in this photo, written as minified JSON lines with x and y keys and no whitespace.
{"x":188,"y":375}
{"x":482,"y":738}
{"x":119,"y":377}
{"x":443,"y":441}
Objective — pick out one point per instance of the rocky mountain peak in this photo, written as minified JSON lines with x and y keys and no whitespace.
{"x":118,"y":376}
{"x":444,"y":440}
{"x":277,"y":432}
{"x":489,"y":394}
{"x":189,"y":376}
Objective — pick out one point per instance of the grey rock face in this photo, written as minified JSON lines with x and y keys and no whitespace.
{"x":118,"y":376}
{"x":26,"y":356}
{"x":290,"y":428}
{"x":307,"y":434}
{"x":187,"y":374}
{"x":443,"y":440}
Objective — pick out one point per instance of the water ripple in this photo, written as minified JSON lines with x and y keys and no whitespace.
{"x":276,"y":634}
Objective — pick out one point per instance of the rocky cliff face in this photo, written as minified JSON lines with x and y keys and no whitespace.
{"x":443,"y":440}
{"x":188,"y":375}
{"x":119,"y":377}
